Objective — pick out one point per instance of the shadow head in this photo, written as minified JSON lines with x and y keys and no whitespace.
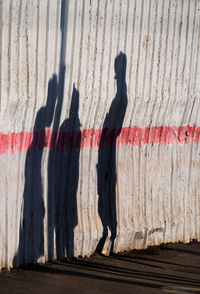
{"x":74,"y":107}
{"x":120,"y":66}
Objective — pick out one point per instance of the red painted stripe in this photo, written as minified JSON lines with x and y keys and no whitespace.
{"x":135,"y":136}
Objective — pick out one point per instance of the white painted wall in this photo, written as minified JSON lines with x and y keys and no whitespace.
{"x":157,"y":190}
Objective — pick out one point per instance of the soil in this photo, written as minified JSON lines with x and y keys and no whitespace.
{"x":170,"y":268}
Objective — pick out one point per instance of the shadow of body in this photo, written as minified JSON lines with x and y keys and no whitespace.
{"x":67,"y":167}
{"x":106,"y":167}
{"x":31,"y":239}
{"x":53,"y":156}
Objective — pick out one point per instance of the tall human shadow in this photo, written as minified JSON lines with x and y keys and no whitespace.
{"x":67,"y":166}
{"x":106,"y":167}
{"x":53,"y":156}
{"x":31,"y":238}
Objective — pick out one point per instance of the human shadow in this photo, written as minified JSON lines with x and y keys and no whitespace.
{"x":31,"y":238}
{"x":67,"y":167}
{"x":106,"y":167}
{"x":53,"y":156}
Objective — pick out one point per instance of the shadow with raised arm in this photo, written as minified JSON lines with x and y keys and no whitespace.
{"x":53,"y":154}
{"x":31,"y":236}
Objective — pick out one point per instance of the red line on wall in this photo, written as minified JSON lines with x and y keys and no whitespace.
{"x":134,"y":136}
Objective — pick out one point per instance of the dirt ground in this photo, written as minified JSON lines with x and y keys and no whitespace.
{"x":172,"y":268}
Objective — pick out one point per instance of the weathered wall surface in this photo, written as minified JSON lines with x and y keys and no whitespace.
{"x":64,"y":181}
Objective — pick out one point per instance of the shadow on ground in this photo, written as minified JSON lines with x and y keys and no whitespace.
{"x":166,"y":269}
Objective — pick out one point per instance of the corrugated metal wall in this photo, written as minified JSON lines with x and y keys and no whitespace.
{"x":60,"y":82}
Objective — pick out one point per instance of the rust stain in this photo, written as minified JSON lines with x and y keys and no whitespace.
{"x":146,"y":41}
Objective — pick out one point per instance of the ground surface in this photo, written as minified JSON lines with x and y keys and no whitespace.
{"x":166,"y":269}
